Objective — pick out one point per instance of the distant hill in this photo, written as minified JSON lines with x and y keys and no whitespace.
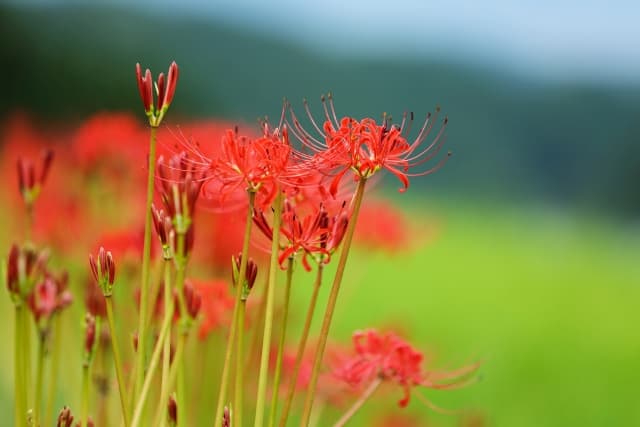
{"x":512,"y":137}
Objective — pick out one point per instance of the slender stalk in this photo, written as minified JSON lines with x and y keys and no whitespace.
{"x":20,"y":404}
{"x":173,"y":375}
{"x":28,"y":232}
{"x":224,"y":378}
{"x":168,"y":312}
{"x":146,"y":257}
{"x":155,"y":358}
{"x":301,"y":347}
{"x":268,"y":318}
{"x":54,"y":366}
{"x":358,"y":403}
{"x":239,"y":370}
{"x":26,"y":334}
{"x":84,"y":414}
{"x":181,"y":266}
{"x":42,"y":337}
{"x":283,"y":333}
{"x":331,"y":304}
{"x":118,"y":362}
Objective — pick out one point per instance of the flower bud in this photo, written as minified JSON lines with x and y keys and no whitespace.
{"x":172,"y":411}
{"x":103,"y":270}
{"x":65,"y":419}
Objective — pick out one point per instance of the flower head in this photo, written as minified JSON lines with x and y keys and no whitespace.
{"x":104,"y":270}
{"x":29,"y":184}
{"x":165,"y":91}
{"x":365,"y":146}
{"x":24,"y":267}
{"x":180,"y":182}
{"x":390,"y":358}
{"x":256,"y":165}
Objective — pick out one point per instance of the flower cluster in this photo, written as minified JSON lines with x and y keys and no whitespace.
{"x":301,"y":187}
{"x":392,"y":359}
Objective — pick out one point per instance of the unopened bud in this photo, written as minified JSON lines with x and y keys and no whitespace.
{"x":103,"y":270}
{"x":65,"y":419}
{"x":172,"y":411}
{"x":89,"y":334}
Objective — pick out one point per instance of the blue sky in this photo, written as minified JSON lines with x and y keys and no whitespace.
{"x":552,"y":39}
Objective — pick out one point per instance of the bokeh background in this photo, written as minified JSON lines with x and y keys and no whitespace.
{"x":529,"y":238}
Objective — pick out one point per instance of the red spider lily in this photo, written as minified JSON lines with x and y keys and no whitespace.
{"x":251,"y":164}
{"x":250,"y":275}
{"x":155,"y":112}
{"x":28,"y":184}
{"x":192,"y":300}
{"x":94,"y":300}
{"x":390,"y":358}
{"x":180,"y":182}
{"x":217,"y":305}
{"x":382,"y":226}
{"x":103,"y":269}
{"x":65,"y":418}
{"x":24,"y":267}
{"x":89,"y":334}
{"x":48,"y":296}
{"x":111,"y":142}
{"x":365,"y":147}
{"x":316,"y":234}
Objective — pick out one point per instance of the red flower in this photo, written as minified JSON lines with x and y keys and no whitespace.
{"x":365,"y":147}
{"x":156,"y":112}
{"x":250,"y":164}
{"x":392,"y":359}
{"x":316,"y":233}
{"x":217,"y":304}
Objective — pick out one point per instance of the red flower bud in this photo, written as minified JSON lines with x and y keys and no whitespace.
{"x":65,"y":419}
{"x":172,"y":411}
{"x":89,"y":333}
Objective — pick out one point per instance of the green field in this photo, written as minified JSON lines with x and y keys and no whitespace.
{"x":548,"y":301}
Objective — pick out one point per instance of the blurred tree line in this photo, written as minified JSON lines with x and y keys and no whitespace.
{"x":512,"y":137}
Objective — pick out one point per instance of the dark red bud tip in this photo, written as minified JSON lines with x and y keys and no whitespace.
{"x":21,"y":175}
{"x":172,"y":81}
{"x":226,"y":417}
{"x":172,"y":411}
{"x":46,"y":165}
{"x":94,"y":268}
{"x":160,"y":90}
{"x":111,"y":270}
{"x":65,"y":419}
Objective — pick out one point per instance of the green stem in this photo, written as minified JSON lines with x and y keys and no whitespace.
{"x":18,"y":370}
{"x":301,"y":347}
{"x":155,"y":358}
{"x":331,"y":304}
{"x":26,"y":331}
{"x":168,"y":312}
{"x":54,"y":365}
{"x":358,"y":403}
{"x":283,"y":333}
{"x":84,"y":414}
{"x":173,"y":375}
{"x":42,"y":337}
{"x":238,"y":389}
{"x":224,"y":378}
{"x":118,"y":361}
{"x":146,"y":257}
{"x":181,"y":266}
{"x":268,"y":319}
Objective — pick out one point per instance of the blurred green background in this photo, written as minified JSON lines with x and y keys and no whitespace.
{"x":535,"y":265}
